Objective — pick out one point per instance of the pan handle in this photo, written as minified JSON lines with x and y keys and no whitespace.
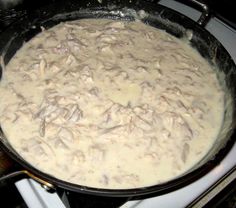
{"x":199,"y":4}
{"x":203,"y":19}
{"x":46,"y":185}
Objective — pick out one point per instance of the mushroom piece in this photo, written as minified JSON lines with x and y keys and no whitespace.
{"x":66,"y":135}
{"x":73,"y":113}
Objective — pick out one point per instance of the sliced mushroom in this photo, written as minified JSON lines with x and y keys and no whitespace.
{"x":111,"y":129}
{"x":185,"y":152}
{"x":94,"y":91}
{"x":78,"y":157}
{"x":58,"y":143}
{"x":66,"y":135}
{"x":143,"y":124}
{"x":49,"y":112}
{"x":74,"y":113}
{"x":42,"y":67}
{"x":96,"y":153}
{"x":104,"y":180}
{"x":42,"y":128}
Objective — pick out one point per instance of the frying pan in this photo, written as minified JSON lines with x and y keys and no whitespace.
{"x":160,"y":17}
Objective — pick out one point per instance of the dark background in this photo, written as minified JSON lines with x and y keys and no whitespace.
{"x":224,"y":8}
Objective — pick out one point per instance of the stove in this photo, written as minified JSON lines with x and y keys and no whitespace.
{"x":197,"y":194}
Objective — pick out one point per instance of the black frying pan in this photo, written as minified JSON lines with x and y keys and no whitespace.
{"x":160,"y":17}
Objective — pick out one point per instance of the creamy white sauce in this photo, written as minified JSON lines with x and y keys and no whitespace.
{"x":110,"y":104}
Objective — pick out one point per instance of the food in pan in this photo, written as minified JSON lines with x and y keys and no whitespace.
{"x":110,"y":104}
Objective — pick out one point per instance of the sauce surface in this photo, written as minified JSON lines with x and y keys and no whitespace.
{"x":110,"y":104}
